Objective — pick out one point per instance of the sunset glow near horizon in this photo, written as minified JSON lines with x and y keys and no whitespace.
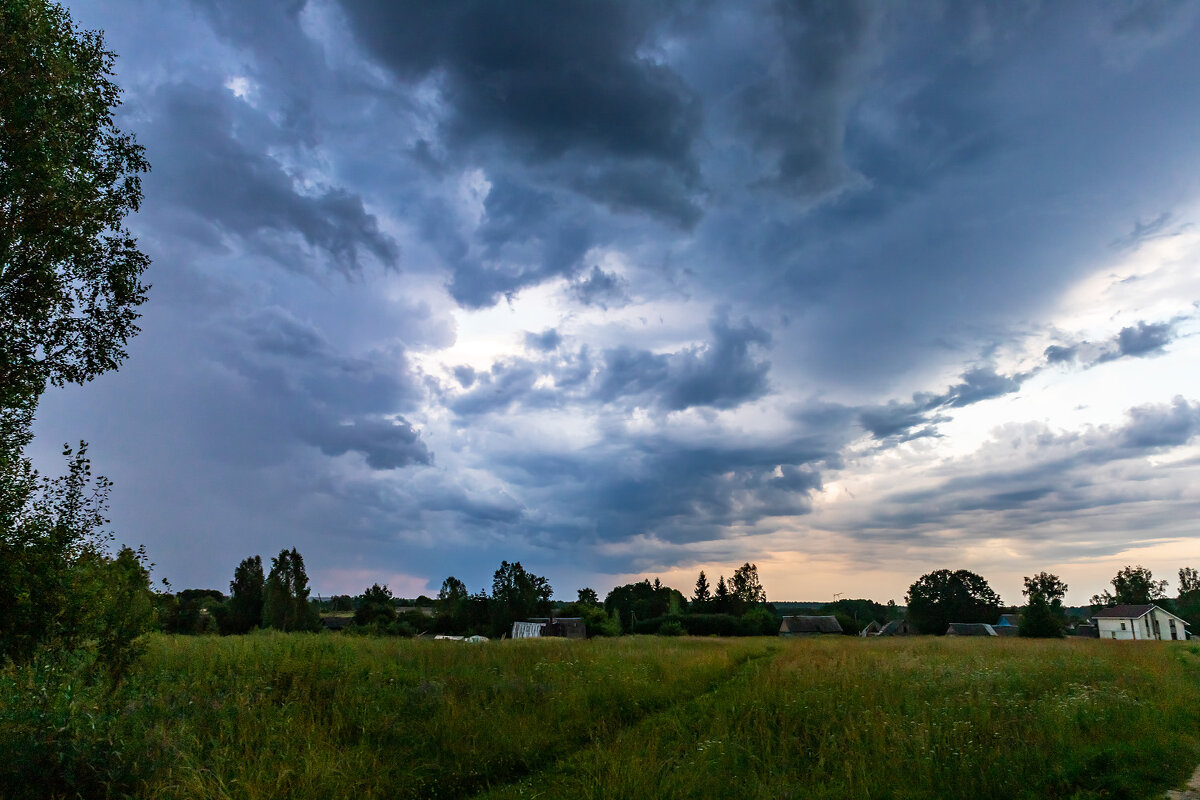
{"x":850,"y":291}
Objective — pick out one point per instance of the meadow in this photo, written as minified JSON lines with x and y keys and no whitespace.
{"x":325,"y":716}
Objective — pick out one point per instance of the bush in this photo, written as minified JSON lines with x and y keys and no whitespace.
{"x":57,"y":731}
{"x":671,"y":627}
{"x":753,"y":624}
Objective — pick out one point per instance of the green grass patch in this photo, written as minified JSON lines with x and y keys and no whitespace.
{"x":326,"y":716}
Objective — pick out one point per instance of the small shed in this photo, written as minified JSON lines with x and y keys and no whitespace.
{"x":566,"y":628}
{"x":897,"y":627}
{"x":550,"y":628}
{"x":872,"y":629}
{"x":809,"y":626}
{"x":970,"y":629}
{"x":1087,"y":630}
{"x":527,"y":630}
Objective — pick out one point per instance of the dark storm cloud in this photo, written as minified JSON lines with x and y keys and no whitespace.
{"x":1142,"y":340}
{"x":795,"y":115}
{"x":898,"y":419}
{"x":301,"y":388}
{"x":1134,"y":341}
{"x":601,"y":289}
{"x":211,"y":152}
{"x":385,"y":443}
{"x":721,"y":374}
{"x":546,"y":81}
{"x":887,"y":192}
{"x":673,"y":490}
{"x":1154,"y":427}
{"x":502,"y":388}
{"x":527,"y":236}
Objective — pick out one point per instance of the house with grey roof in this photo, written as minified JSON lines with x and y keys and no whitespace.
{"x":970,"y":629}
{"x":809,"y":626}
{"x":898,"y":627}
{"x":1139,"y":622}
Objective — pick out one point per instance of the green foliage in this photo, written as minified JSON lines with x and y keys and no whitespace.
{"x":1187,"y":605}
{"x":1044,"y":617}
{"x":285,"y":595}
{"x":517,"y":594}
{"x":855,"y":614}
{"x":59,"y":590}
{"x":702,"y":594}
{"x":61,"y":733}
{"x":720,"y":601}
{"x":942,"y":597}
{"x":1133,"y":586}
{"x":244,"y":612}
{"x":745,"y":588}
{"x":339,"y":602}
{"x":758,"y":622}
{"x":598,"y":621}
{"x":671,"y":627}
{"x":1039,"y":620}
{"x":375,"y":607}
{"x":69,"y":271}
{"x":641,"y":601}
{"x":588,"y":597}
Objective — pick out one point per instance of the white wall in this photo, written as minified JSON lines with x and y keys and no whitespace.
{"x":1142,"y":628}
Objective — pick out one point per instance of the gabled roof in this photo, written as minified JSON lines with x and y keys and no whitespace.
{"x":1124,"y":611}
{"x":810,"y":625}
{"x":1008,"y":619}
{"x":970,"y":629}
{"x":896,"y":626}
{"x":1132,"y":612}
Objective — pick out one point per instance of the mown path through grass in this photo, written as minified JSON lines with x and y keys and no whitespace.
{"x":322,"y":717}
{"x":910,"y":719}
{"x":326,"y":717}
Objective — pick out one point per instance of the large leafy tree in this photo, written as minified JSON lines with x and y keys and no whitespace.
{"x":744,"y":588}
{"x":1132,"y":586}
{"x":1188,"y":603}
{"x":944,"y":596}
{"x":245,"y":608}
{"x":641,"y":601}
{"x":517,"y":594}
{"x":70,"y":272}
{"x":70,"y":285}
{"x":376,"y":605}
{"x":1043,"y":616}
{"x":285,"y":595}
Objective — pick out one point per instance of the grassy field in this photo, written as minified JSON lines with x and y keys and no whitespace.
{"x":324,"y":716}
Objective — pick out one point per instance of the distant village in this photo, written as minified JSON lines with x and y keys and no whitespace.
{"x":521,"y":605}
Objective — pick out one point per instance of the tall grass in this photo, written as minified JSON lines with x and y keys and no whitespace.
{"x":321,"y":716}
{"x":297,"y":716}
{"x":917,"y":718}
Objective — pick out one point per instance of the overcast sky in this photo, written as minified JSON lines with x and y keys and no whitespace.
{"x":852,"y":291}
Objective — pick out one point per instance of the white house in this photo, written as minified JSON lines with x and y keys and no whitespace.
{"x":1139,"y":622}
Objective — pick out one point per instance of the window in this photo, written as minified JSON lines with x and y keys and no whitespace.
{"x":1122,"y":626}
{"x":1114,"y":634}
{"x":1174,"y":634}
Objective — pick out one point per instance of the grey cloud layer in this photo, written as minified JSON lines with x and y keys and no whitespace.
{"x":842,"y":198}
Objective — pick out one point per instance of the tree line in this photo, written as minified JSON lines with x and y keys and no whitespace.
{"x":736,"y":607}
